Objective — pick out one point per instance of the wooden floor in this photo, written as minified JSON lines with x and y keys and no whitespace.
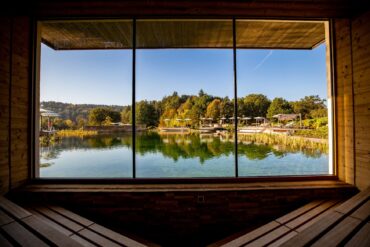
{"x":54,"y":226}
{"x":319,"y":223}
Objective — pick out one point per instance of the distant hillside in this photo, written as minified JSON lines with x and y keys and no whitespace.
{"x":74,"y":111}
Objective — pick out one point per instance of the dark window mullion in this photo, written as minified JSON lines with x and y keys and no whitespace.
{"x":235,"y":101}
{"x":133,"y":108}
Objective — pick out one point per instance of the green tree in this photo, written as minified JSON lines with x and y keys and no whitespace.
{"x":107,"y":121}
{"x":59,"y":124}
{"x":171,"y":102}
{"x":255,"y":105}
{"x":69,"y":123}
{"x":226,"y":108}
{"x":81,"y":122}
{"x":75,"y":111}
{"x":213,"y":109}
{"x":146,"y":114}
{"x":98,"y":115}
{"x":126,"y":115}
{"x":319,"y":113}
{"x":279,"y":106}
{"x":308,"y":104}
{"x":183,"y":110}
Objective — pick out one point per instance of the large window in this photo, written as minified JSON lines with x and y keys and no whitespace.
{"x":85,"y":84}
{"x":282,"y":97}
{"x":180,"y":98}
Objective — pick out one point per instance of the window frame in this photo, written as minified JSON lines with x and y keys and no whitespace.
{"x":35,"y":106}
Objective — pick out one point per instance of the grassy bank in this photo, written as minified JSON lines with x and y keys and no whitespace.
{"x":321,"y":133}
{"x":48,"y":140}
{"x":294,"y":142}
{"x":76,"y":133}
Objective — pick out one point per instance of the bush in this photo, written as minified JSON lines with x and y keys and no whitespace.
{"x":321,"y":133}
{"x":315,"y":123}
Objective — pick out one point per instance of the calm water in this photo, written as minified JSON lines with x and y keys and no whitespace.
{"x":173,"y":156}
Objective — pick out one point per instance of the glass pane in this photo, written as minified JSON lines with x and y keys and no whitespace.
{"x":282,"y":93}
{"x":184,"y":99}
{"x":85,"y":85}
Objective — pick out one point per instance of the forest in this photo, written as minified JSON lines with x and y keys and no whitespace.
{"x":180,"y":110}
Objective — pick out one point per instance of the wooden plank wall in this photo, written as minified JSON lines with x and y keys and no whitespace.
{"x":344,"y":100}
{"x":361,"y":91}
{"x":5,"y":28}
{"x":14,"y":101}
{"x":352,"y":84}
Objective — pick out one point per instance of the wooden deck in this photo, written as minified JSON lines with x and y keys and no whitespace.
{"x":54,"y":226}
{"x":319,"y":223}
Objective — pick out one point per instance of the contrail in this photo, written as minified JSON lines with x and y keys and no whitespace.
{"x":263,"y":60}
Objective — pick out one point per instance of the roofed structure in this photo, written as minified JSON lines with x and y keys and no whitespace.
{"x":182,"y":33}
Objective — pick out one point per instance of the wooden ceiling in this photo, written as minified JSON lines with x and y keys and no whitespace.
{"x":72,"y":35}
{"x":185,"y":33}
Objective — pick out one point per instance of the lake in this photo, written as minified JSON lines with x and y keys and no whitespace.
{"x":171,"y":155}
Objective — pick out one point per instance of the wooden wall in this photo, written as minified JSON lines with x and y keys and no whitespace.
{"x":14,"y":101}
{"x":344,"y":100}
{"x":361,"y":91}
{"x":5,"y":28}
{"x":352,"y":83}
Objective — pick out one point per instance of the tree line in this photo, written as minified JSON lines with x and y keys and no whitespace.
{"x":176,"y":110}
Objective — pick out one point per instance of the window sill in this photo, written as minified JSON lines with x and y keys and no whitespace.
{"x":47,"y":185}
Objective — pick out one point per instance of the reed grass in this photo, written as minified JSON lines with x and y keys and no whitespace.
{"x":76,"y":133}
{"x":294,"y":142}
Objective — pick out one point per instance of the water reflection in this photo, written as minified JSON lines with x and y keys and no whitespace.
{"x":175,"y":146}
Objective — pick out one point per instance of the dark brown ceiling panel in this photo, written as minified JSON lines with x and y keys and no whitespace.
{"x":101,"y":34}
{"x":182,"y":33}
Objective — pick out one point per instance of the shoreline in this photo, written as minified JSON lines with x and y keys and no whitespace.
{"x":291,"y":141}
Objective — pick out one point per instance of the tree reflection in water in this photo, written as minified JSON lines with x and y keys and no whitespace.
{"x":174,"y":146}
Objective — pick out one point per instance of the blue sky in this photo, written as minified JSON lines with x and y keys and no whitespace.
{"x":104,"y":76}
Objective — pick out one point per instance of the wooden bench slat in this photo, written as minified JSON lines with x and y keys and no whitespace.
{"x":4,"y":242}
{"x":310,"y":214}
{"x":229,"y":238}
{"x":313,"y":231}
{"x":363,"y":212}
{"x":96,"y":238}
{"x":22,"y":236}
{"x":362,"y":237}
{"x":60,"y":228}
{"x":290,"y":216}
{"x":75,"y":217}
{"x":336,"y":235}
{"x":4,"y":218}
{"x":354,"y":202}
{"x":13,"y":208}
{"x":82,"y":241}
{"x":252,"y":235}
{"x":67,"y":223}
{"x":48,"y":232}
{"x":283,"y":239}
{"x":319,"y":223}
{"x":269,"y":237}
{"x":316,"y":219}
{"x":115,"y":236}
